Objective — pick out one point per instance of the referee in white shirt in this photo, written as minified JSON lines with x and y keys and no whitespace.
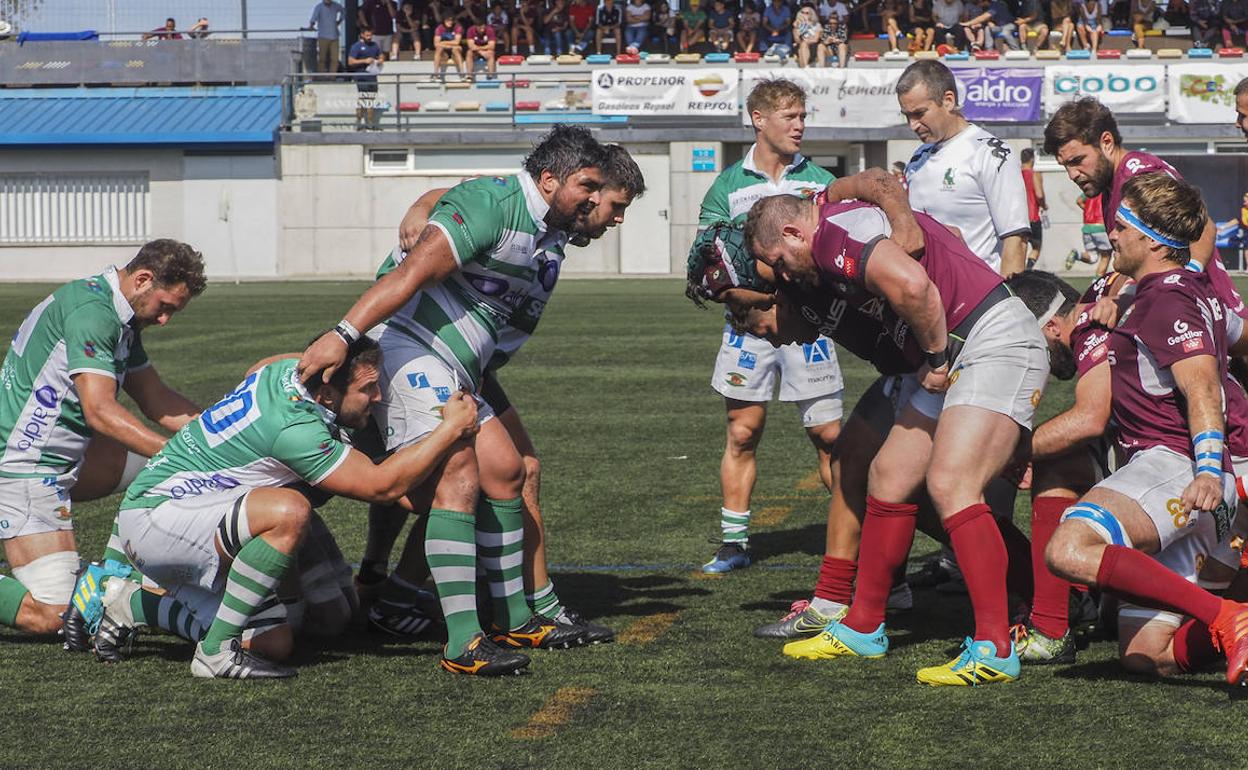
{"x":962,"y":175}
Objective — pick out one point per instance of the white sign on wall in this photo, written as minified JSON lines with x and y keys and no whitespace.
{"x":1137,"y":88}
{"x":860,"y":98}
{"x":1204,"y":93}
{"x":702,"y":91}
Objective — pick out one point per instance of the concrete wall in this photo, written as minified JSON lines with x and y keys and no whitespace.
{"x":223,"y":205}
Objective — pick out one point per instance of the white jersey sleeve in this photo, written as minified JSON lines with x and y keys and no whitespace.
{"x":1000,"y":176}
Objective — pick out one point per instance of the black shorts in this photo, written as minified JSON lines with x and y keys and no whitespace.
{"x":492,"y":393}
{"x":1037,"y":235}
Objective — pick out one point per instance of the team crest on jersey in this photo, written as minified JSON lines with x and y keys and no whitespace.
{"x":94,"y":286}
{"x":501,"y":181}
{"x":459,"y":220}
{"x":88,"y":349}
{"x":735,"y":379}
{"x":326,"y":447}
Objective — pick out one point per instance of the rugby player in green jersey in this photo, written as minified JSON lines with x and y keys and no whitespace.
{"x":66,"y":436}
{"x":464,"y":299}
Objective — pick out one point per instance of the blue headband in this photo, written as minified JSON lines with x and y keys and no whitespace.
{"x":1129,"y":216}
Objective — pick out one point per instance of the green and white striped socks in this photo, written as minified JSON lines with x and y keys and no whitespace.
{"x":256,"y":571}
{"x":451,"y":550}
{"x":163,"y":611}
{"x":735,"y":526}
{"x":500,"y":543}
{"x":545,"y":601}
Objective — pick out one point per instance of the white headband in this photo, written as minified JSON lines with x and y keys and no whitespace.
{"x":1054,"y":306}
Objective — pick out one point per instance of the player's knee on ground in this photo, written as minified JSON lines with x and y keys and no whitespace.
{"x":275,"y":643}
{"x":1145,"y":647}
{"x":35,"y":617}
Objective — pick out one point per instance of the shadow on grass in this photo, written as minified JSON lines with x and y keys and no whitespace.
{"x":598,"y":594}
{"x":768,"y":544}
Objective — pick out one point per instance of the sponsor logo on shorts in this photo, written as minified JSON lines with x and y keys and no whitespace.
{"x":62,"y":513}
{"x":133,"y":556}
{"x":1223,"y":515}
{"x":418,"y":380}
{"x":1178,"y":513}
{"x":736,"y":379}
{"x":735,"y":340}
{"x":747,"y":360}
{"x":488,"y":285}
{"x":443,"y":393}
{"x":816,"y":352}
{"x":1035,"y":398}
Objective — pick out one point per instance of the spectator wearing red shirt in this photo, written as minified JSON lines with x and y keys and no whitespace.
{"x":482,"y":42}
{"x":581,"y":17}
{"x":167,"y":32}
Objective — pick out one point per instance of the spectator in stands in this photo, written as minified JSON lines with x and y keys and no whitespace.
{"x":922,"y":27}
{"x":1002,"y":29}
{"x":528,"y":27}
{"x":721,"y":25}
{"x":200,"y":30}
{"x":835,"y":40}
{"x":890,"y":21}
{"x":364,"y":60}
{"x":948,"y":15}
{"x":777,"y":19}
{"x":431,"y":17}
{"x":482,"y":44}
{"x":1206,"y":23}
{"x":1177,"y":14}
{"x":472,"y":13}
{"x":1032,"y":31}
{"x":663,"y":28}
{"x":326,"y":16}
{"x":636,"y":25}
{"x":167,"y":32}
{"x":1062,"y":20}
{"x":581,"y":20}
{"x":407,"y":29}
{"x":556,"y":36}
{"x":1234,"y":22}
{"x":448,"y":44}
{"x":379,"y":15}
{"x":976,"y":22}
{"x":807,"y":32}
{"x":1090,"y":26}
{"x":1142,"y":14}
{"x":500,"y":20}
{"x":692,"y":25}
{"x":607,"y":25}
{"x":828,"y":8}
{"x":747,"y":27}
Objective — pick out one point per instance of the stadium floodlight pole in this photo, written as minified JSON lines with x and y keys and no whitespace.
{"x":242,"y":9}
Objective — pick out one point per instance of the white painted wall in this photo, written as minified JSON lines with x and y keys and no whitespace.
{"x":231,"y":212}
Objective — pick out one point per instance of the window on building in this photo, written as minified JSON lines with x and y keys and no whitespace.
{"x":463,"y":162}
{"x":74,"y":208}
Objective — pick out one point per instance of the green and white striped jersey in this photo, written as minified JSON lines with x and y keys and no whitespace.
{"x":81,"y":327}
{"x":267,"y":432}
{"x":509,"y":263}
{"x":740,"y":185}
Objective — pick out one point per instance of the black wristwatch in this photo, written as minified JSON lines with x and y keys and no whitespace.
{"x":937,"y":359}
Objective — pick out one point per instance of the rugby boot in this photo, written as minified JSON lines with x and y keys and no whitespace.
{"x":233,"y":662}
{"x":412,"y":623}
{"x":936,"y":570}
{"x":86,"y":608}
{"x":839,"y":640}
{"x":1230,"y":636}
{"x":1036,"y":649}
{"x":538,"y":633}
{"x":484,"y":658}
{"x":802,"y":621}
{"x":978,"y":664}
{"x":730,"y":556}
{"x":594,"y":632}
{"x":117,"y":630}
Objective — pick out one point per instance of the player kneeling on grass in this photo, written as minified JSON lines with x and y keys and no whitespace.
{"x":1168,"y":361}
{"x":955,"y":434}
{"x":211,"y":520}
{"x":67,"y":435}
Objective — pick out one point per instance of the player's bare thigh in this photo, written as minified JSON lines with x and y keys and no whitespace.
{"x":897,"y":472}
{"x":500,"y":466}
{"x":1074,"y":553}
{"x":971,"y":447}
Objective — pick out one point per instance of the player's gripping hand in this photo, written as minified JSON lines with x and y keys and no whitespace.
{"x":409,"y":229}
{"x":324,"y":355}
{"x":934,"y":380}
{"x":1203,"y":494}
{"x":459,"y":413}
{"x":1104,"y":312}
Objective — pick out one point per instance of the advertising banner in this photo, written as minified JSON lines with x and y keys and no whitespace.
{"x":702,"y":91}
{"x":859,"y":98}
{"x":1204,"y":93}
{"x":1138,"y":88}
{"x":1000,"y":94}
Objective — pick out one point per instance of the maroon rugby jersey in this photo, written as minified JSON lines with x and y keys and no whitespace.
{"x":1134,"y":163}
{"x":842,"y":246}
{"x":1176,"y":315}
